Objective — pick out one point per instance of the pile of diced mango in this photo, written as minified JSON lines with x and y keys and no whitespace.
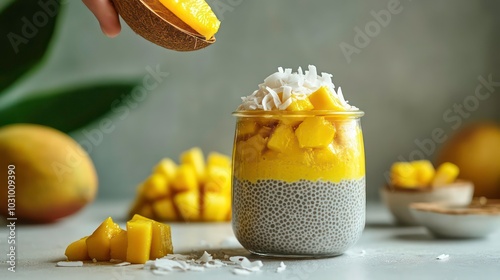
{"x":322,"y":141}
{"x":421,"y":174}
{"x":194,"y":190}
{"x":143,"y":240}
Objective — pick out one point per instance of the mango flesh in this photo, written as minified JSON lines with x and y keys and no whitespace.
{"x":181,"y":194}
{"x":315,"y":132}
{"x":139,"y":235}
{"x":118,"y":246}
{"x":322,"y":99}
{"x":161,"y":239}
{"x":98,"y":244}
{"x":77,"y":251}
{"x":421,"y":173}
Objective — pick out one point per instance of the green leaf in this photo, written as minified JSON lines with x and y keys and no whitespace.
{"x":67,"y":110}
{"x":26,"y":28}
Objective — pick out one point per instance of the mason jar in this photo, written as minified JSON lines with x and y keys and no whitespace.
{"x":298,"y":186}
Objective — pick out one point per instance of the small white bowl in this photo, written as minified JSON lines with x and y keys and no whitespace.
{"x":398,"y":200}
{"x":446,"y":221}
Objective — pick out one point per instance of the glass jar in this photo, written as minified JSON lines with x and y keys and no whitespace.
{"x":298,"y":187}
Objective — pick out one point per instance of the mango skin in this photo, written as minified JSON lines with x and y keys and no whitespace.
{"x":54,"y":176}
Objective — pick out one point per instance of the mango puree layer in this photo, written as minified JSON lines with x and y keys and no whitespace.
{"x":280,"y":149}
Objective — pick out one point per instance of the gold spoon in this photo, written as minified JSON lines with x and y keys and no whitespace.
{"x":157,"y":24}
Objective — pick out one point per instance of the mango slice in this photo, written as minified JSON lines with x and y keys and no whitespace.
{"x":446,"y":173}
{"x":165,"y":209}
{"x":194,"y":157}
{"x":283,"y":139}
{"x":98,"y":244}
{"x":139,"y":236}
{"x":167,"y":168}
{"x":315,"y":132}
{"x":323,"y":99}
{"x":300,"y":105}
{"x":186,"y":178}
{"x":118,"y":246}
{"x":188,"y":204}
{"x":77,"y":251}
{"x":217,"y":159}
{"x":195,"y":13}
{"x":424,"y":171}
{"x":155,"y":186}
{"x":215,"y":207}
{"x":161,"y":239}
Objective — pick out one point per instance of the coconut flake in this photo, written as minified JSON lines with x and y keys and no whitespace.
{"x":443,"y":257}
{"x":70,"y":264}
{"x":123,"y":264}
{"x":281,"y":268}
{"x":206,"y":257}
{"x":239,"y":271}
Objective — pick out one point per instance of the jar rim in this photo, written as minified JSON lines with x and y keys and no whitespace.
{"x":281,"y":113}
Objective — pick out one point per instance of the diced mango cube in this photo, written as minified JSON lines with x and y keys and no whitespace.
{"x":283,"y":139}
{"x":218,"y":179}
{"x":161,"y":239}
{"x":315,"y":132}
{"x":98,"y":244}
{"x":403,"y":174}
{"x":446,"y":173}
{"x":300,"y":105}
{"x":118,"y":246}
{"x":195,"y":158}
{"x":247,"y":127}
{"x":215,"y":207}
{"x":185,"y":179}
{"x":188,"y":204}
{"x":139,"y":236}
{"x":155,"y":186}
{"x":217,"y":159}
{"x":77,"y":251}
{"x":164,"y":209}
{"x":323,"y":99}
{"x":167,"y":168}
{"x":424,"y":172}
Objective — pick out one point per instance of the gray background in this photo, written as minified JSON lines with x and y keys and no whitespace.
{"x":427,"y":58}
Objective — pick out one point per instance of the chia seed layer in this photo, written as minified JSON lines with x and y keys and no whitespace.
{"x":303,"y":218}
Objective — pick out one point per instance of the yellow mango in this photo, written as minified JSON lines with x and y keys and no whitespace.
{"x":446,"y":173}
{"x":323,"y":99}
{"x":247,"y":127}
{"x":218,"y":179}
{"x":188,"y":204}
{"x":403,"y":174}
{"x":315,"y":132}
{"x":118,"y":246}
{"x":77,"y":251}
{"x":325,"y":155}
{"x":139,"y":237}
{"x":155,"y":186}
{"x":215,"y":207}
{"x":98,"y":244}
{"x":217,"y":159}
{"x":164,"y":209}
{"x":167,"y":168}
{"x":185,"y":179}
{"x":146,"y":210}
{"x":300,"y":105}
{"x":161,"y":238}
{"x":194,"y":157}
{"x":283,"y":139}
{"x":424,"y":172}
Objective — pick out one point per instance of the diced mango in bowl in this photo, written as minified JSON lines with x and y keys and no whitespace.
{"x":144,"y":240}
{"x":421,"y":174}
{"x":193,"y":190}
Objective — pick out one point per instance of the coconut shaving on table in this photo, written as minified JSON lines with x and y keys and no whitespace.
{"x":290,"y":84}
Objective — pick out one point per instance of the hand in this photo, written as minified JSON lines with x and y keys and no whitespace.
{"x":106,"y":14}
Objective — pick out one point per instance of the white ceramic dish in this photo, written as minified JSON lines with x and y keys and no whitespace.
{"x":398,"y":200}
{"x":446,"y":221}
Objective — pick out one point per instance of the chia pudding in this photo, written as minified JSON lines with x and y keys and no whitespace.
{"x":302,"y":218}
{"x":298,"y":187}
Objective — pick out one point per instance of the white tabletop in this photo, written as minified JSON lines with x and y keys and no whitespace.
{"x":384,"y":252}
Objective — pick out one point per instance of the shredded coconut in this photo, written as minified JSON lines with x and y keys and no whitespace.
{"x":292,"y":85}
{"x":281,"y":268}
{"x":70,"y":264}
{"x":443,"y":257}
{"x":123,"y":264}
